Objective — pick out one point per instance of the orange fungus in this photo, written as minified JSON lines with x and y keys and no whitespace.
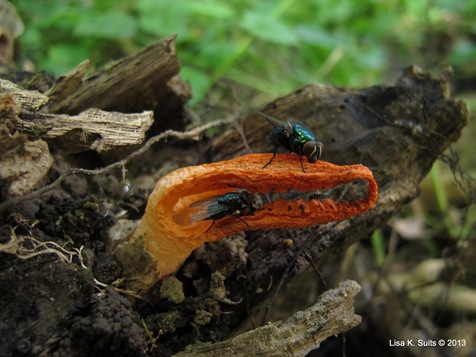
{"x":169,"y":236}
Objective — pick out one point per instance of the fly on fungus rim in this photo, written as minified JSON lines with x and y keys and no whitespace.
{"x":169,"y":237}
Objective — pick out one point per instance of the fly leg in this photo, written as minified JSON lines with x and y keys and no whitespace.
{"x":210,"y":226}
{"x":241,"y":219}
{"x":300,"y":159}
{"x":274,"y":155}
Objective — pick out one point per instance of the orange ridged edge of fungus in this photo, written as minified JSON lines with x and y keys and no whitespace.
{"x":169,"y":238}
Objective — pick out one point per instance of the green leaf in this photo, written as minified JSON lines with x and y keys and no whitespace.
{"x":199,"y":80}
{"x":209,"y":8}
{"x":111,"y":25}
{"x":464,"y":51}
{"x":268,"y":29}
{"x":161,"y":18}
{"x":315,"y":35}
{"x":64,"y":57}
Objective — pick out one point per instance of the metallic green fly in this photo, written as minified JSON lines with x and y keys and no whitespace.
{"x":236,"y":204}
{"x":295,"y":137}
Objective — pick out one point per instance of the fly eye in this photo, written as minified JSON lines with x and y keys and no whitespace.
{"x":248,"y":198}
{"x":313,"y":150}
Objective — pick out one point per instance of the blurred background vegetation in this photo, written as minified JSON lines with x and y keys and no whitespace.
{"x":275,"y":47}
{"x":272,"y":46}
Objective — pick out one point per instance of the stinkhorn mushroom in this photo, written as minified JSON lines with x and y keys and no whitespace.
{"x":165,"y":236}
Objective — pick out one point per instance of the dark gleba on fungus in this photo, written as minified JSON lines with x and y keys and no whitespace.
{"x":165,"y":236}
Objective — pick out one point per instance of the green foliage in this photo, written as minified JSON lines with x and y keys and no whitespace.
{"x":378,"y":247}
{"x":120,"y":25}
{"x":273,"y":46}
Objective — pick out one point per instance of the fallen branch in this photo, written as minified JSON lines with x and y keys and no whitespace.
{"x":303,"y":332}
{"x":92,"y":129}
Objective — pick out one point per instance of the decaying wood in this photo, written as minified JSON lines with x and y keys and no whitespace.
{"x":303,"y":332}
{"x":92,"y":129}
{"x":9,"y":145}
{"x":144,"y":81}
{"x":25,"y":166}
{"x":147,"y":80}
{"x":28,"y":100}
{"x":23,"y":163}
{"x":66,"y":85}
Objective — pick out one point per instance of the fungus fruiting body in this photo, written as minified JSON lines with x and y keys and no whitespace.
{"x":169,"y":235}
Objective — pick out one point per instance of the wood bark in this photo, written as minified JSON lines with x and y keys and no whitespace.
{"x":136,"y":81}
{"x":147,"y":80}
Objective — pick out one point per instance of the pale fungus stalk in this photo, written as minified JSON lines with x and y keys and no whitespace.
{"x":165,"y":237}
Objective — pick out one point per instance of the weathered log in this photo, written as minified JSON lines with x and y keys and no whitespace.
{"x":147,"y":80}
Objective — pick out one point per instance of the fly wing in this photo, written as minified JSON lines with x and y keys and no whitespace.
{"x":295,"y":121}
{"x":205,"y":201}
{"x":272,"y":120}
{"x":286,"y":127}
{"x":208,"y":207}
